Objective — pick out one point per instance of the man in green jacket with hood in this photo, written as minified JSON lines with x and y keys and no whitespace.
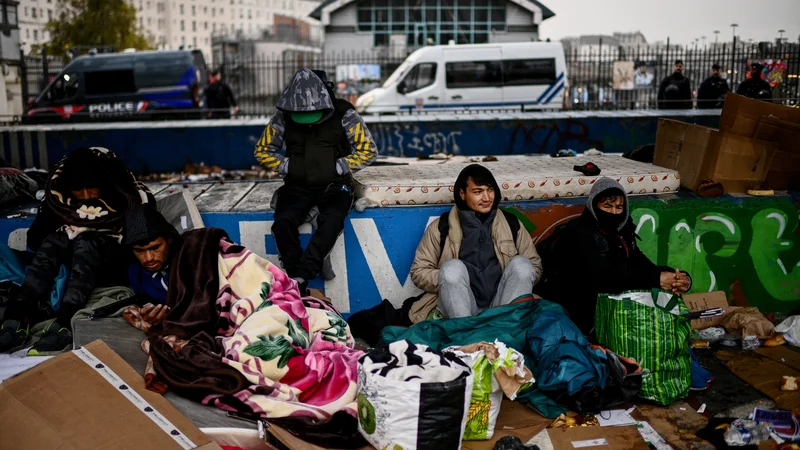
{"x":325,"y":140}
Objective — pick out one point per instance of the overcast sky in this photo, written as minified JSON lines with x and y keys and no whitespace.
{"x":681,"y":20}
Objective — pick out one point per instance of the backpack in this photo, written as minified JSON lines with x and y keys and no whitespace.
{"x":444,"y":227}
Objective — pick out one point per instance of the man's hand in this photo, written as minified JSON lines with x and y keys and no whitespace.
{"x":235,"y":110}
{"x":154,"y":314}
{"x":676,"y":282}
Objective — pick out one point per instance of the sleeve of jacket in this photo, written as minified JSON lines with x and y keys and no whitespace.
{"x":641,"y":273}
{"x":44,"y":223}
{"x":425,"y":269}
{"x":229,"y":93}
{"x":661,"y":88}
{"x":526,"y":248}
{"x":363,"y":147}
{"x":269,"y":146}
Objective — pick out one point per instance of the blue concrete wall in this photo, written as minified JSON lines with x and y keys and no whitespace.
{"x":164,"y":147}
{"x":748,"y":247}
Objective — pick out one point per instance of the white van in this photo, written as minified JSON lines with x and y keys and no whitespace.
{"x":519,"y":75}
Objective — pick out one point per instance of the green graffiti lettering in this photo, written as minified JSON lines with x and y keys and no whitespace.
{"x":779,"y":276}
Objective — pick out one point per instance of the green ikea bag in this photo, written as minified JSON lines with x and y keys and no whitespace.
{"x":648,"y":327}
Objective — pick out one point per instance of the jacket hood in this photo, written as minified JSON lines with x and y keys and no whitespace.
{"x":145,"y":223}
{"x":607,"y":184}
{"x":480,"y":174}
{"x":305,"y":93}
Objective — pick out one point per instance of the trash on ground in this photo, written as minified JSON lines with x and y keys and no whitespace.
{"x":790,"y":328}
{"x":789,"y":383}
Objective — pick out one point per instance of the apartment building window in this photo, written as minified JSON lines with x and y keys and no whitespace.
{"x":222,"y":11}
{"x":249,"y":13}
{"x":36,"y":35}
{"x":182,"y":28}
{"x":148,"y":5}
{"x":194,"y":26}
{"x":206,"y":41}
{"x":194,"y":42}
{"x":141,"y":22}
{"x":27,"y":34}
{"x":241,"y":14}
{"x":193,"y":10}
{"x":33,"y":12}
{"x":181,"y":9}
{"x":205,"y":9}
{"x":213,"y":12}
{"x":213,"y":27}
{"x":9,"y":14}
{"x":183,"y":40}
{"x":149,"y":22}
{"x":49,"y":1}
{"x":49,"y":14}
{"x":205,"y":25}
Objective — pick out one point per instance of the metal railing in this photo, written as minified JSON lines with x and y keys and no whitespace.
{"x":257,"y":81}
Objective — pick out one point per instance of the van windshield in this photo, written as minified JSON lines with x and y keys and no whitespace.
{"x":396,"y":74}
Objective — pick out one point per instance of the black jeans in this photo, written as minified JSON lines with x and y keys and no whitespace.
{"x":294,"y":203}
{"x":90,"y":258}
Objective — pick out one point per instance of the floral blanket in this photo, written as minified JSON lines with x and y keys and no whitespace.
{"x":296,"y":352}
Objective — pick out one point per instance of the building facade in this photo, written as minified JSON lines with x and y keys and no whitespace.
{"x":172,"y":24}
{"x":379,"y":27}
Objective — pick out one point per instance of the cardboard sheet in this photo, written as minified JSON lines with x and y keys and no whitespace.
{"x":676,"y":423}
{"x":708,"y":300}
{"x":786,"y":355}
{"x":599,"y":438}
{"x":65,"y":404}
{"x":763,"y":374}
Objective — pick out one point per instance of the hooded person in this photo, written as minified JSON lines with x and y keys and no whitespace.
{"x":475,"y":256}
{"x":78,"y":226}
{"x":597,"y":253}
{"x":325,"y":141}
{"x":755,"y":87}
{"x":711,"y":93}
{"x":153,"y":242}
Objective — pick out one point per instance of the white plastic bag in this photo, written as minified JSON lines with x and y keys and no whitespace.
{"x":410,"y":397}
{"x":790,"y":329}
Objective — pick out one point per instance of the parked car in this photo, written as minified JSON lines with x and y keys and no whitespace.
{"x":520,"y":75}
{"x":119,"y":86}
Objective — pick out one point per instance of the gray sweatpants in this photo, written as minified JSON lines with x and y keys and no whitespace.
{"x":455,"y":294}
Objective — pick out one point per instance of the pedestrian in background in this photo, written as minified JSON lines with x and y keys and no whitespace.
{"x":755,"y":86}
{"x":675,"y":91}
{"x":711,"y":93}
{"x":219,"y":98}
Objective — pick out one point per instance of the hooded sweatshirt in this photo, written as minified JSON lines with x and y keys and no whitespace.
{"x":595,"y":253}
{"x":477,"y":248}
{"x":319,"y":153}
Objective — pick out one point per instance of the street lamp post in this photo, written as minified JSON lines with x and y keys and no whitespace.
{"x":733,"y":55}
{"x":780,"y":39}
{"x":716,"y":37}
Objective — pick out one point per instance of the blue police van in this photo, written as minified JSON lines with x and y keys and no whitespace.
{"x":125,"y":86}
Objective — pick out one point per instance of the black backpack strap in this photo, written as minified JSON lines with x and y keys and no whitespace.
{"x":444,"y":230}
{"x":513,"y":223}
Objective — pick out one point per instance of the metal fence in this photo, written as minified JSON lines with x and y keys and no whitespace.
{"x":257,"y":82}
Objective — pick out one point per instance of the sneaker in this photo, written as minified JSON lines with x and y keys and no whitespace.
{"x":12,"y":336}
{"x":56,"y":339}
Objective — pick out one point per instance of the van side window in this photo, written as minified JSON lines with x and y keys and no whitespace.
{"x":529,"y":72}
{"x":421,"y":76}
{"x":109,"y":82}
{"x":64,"y":88}
{"x":474,"y":74}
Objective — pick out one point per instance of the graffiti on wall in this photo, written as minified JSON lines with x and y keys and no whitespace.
{"x":752,"y":243}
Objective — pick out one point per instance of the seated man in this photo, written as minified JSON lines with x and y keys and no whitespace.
{"x":154,"y":242}
{"x":79,"y":225}
{"x":597,"y":253}
{"x":475,"y":256}
{"x":325,"y":140}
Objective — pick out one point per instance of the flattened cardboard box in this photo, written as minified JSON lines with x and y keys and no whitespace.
{"x":64,"y":404}
{"x":741,"y":115}
{"x":602,"y":438}
{"x":708,"y":300}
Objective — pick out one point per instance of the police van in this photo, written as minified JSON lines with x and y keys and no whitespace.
{"x":520,"y":76}
{"x":119,"y":86}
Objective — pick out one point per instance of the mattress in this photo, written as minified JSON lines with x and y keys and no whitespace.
{"x":520,"y":177}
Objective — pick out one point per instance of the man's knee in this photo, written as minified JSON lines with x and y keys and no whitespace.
{"x":521,"y":267}
{"x":283,"y":223}
{"x":452,"y":272}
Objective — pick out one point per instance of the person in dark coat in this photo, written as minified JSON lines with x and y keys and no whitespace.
{"x":675,"y":91}
{"x":325,"y":140}
{"x":597,"y":253}
{"x":711,"y":93}
{"x":219,"y":98}
{"x":79,"y":226}
{"x":153,"y":242}
{"x":755,"y":87}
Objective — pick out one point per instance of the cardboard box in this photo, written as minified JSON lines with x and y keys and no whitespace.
{"x":699,"y":153}
{"x":65,"y":403}
{"x":741,"y":115}
{"x":708,"y":300}
{"x":606,"y":437}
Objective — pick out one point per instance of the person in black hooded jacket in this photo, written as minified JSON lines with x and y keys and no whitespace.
{"x":712,"y":90}
{"x":675,"y":91}
{"x":755,"y":87}
{"x":597,"y":253}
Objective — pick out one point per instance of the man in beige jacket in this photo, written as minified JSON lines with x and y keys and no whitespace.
{"x":476,"y":256}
